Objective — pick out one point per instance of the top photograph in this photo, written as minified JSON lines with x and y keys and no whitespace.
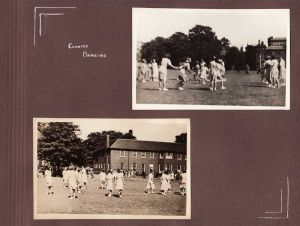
{"x":210,"y":59}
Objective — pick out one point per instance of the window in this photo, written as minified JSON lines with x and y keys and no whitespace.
{"x":95,"y":165}
{"x":169,"y":155}
{"x":179,"y":167}
{"x":143,"y":167}
{"x":143,"y":155}
{"x":152,"y":155}
{"x":134,"y":154}
{"x":122,"y":153}
{"x":161,"y":155}
{"x":169,"y":167}
{"x":122,"y":165}
{"x":160,"y":168}
{"x":179,"y":156}
{"x":185,"y":157}
{"x":134,"y":166}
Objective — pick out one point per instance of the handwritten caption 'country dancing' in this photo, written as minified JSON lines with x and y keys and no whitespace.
{"x":85,"y":53}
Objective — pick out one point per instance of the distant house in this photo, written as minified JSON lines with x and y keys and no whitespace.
{"x":141,"y":156}
{"x":276,"y":47}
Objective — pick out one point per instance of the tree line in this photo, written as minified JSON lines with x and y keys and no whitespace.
{"x":201,"y":42}
{"x":59,"y":144}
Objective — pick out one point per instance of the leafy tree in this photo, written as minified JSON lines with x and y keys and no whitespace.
{"x":96,"y":142}
{"x":181,"y":138}
{"x":234,"y":57}
{"x":59,"y":144}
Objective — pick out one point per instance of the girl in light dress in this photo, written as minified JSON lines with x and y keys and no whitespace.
{"x":73,"y":182}
{"x":143,"y":70}
{"x":163,"y":72}
{"x":182,"y":77}
{"x":282,"y":71}
{"x":274,"y":73}
{"x":102,"y":177}
{"x":49,"y":183}
{"x":109,"y":183}
{"x":197,"y":70}
{"x":120,"y":182}
{"x":80,"y":184}
{"x":84,"y":178}
{"x":203,"y":73}
{"x":150,"y":183}
{"x":216,"y":69}
{"x":164,"y":183}
{"x":154,"y":71}
{"x":65,"y":176}
{"x":182,"y":182}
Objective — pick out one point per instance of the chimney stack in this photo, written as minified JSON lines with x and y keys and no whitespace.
{"x":107,"y":141}
{"x":130,"y":132}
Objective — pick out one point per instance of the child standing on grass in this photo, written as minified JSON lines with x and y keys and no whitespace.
{"x":143,"y":70}
{"x":65,"y":176}
{"x":165,"y":62}
{"x":197,"y":70}
{"x":203,"y":73}
{"x":164,"y":183}
{"x":49,"y":183}
{"x":119,"y":182}
{"x":274,"y":73}
{"x":182,"y":182}
{"x":73,"y":182}
{"x":102,"y":176}
{"x":150,"y":183}
{"x":109,"y":183}
{"x":154,"y":70}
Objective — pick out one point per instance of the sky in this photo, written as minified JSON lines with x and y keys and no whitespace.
{"x":143,"y":129}
{"x":241,"y":27}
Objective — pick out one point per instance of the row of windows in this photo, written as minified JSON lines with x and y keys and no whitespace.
{"x":167,"y":155}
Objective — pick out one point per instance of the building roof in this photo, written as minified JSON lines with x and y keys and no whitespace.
{"x":154,"y":146}
{"x":278,"y":39}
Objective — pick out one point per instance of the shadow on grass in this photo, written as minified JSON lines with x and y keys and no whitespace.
{"x":177,"y":193}
{"x":201,"y":88}
{"x":255,"y":85}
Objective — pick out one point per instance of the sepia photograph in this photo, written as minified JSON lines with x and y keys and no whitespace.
{"x":111,"y":168}
{"x":218,"y":59}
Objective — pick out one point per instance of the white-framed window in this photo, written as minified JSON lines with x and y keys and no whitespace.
{"x":160,"y":168}
{"x":185,"y":157}
{"x":122,"y":165}
{"x":122,"y":154}
{"x":152,"y":155}
{"x":179,"y":167}
{"x":161,"y":155}
{"x":179,"y":156}
{"x":169,"y":155}
{"x":143,"y":155}
{"x":95,"y":165}
{"x":169,"y":167}
{"x":134,"y":154}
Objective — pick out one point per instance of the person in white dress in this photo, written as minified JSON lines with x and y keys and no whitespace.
{"x":203,"y":73}
{"x":73,"y":182}
{"x":120,"y":182}
{"x":274,"y":73}
{"x":84,"y":178}
{"x":49,"y":182}
{"x":282,"y":71}
{"x":182,"y":77}
{"x":164,"y":183}
{"x":197,"y":70}
{"x":154,"y":70}
{"x":102,"y":177}
{"x":80,"y":184}
{"x":163,"y":71}
{"x":65,"y":176}
{"x":215,"y":74}
{"x":182,"y":182}
{"x":150,"y":183}
{"x":109,"y":183}
{"x":143,"y":70}
{"x":268,"y":65}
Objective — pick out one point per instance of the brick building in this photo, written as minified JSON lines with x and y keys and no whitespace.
{"x":141,"y":156}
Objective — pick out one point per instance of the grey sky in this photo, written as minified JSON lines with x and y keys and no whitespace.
{"x":143,"y":129}
{"x":241,"y":27}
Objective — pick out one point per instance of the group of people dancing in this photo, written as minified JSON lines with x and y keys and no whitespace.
{"x":76,"y":179}
{"x":214,"y":73}
{"x":273,"y":72}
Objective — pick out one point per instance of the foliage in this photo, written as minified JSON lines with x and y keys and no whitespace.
{"x":181,"y":138}
{"x":200,"y":43}
{"x":96,"y":142}
{"x":59,"y":145}
{"x":234,"y":57}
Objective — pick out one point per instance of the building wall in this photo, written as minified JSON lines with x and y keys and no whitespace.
{"x":129,"y":161}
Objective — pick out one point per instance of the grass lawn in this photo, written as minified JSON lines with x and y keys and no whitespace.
{"x":241,"y":90}
{"x":135,"y":200}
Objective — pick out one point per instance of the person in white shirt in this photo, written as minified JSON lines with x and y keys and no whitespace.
{"x":268,"y":66}
{"x":163,"y":71}
{"x":73,"y":182}
{"x":274,"y":73}
{"x":150,"y":183}
{"x":102,"y":177}
{"x":154,"y":70}
{"x":216,"y":69}
{"x":182,"y":77}
{"x":282,"y":71}
{"x":119,"y":182}
{"x":49,"y":182}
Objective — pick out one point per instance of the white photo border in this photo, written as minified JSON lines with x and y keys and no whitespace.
{"x":136,"y":106}
{"x":39,"y":216}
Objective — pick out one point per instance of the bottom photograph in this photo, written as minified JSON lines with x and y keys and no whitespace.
{"x":111,"y":168}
